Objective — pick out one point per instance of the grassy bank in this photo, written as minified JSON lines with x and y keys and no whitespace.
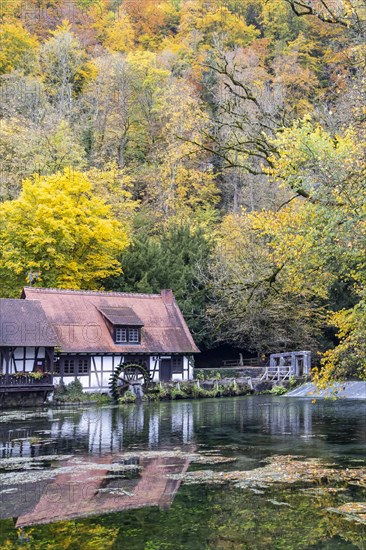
{"x":189,"y":390}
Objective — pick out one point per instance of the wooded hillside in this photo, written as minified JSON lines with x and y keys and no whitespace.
{"x":213,"y":147}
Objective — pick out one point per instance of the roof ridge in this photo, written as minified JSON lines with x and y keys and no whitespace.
{"x":89,"y":292}
{"x":21,"y":301}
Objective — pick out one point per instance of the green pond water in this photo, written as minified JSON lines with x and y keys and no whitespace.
{"x":254,"y":472}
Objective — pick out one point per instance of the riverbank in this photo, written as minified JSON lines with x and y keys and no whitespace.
{"x":211,"y":388}
{"x":72,"y":393}
{"x":194,"y":389}
{"x":343,"y":390}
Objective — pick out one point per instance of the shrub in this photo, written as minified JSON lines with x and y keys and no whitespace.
{"x":196,"y":391}
{"x":71,"y":392}
{"x":59,"y":391}
{"x":157,"y":393}
{"x":292,"y":381}
{"x":100,"y":398}
{"x":186,"y":387}
{"x":177,"y":393}
{"x":278,"y":390}
{"x":74,"y":389}
{"x":128,"y":397}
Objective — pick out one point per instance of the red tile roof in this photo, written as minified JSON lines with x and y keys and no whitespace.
{"x":81,"y":328}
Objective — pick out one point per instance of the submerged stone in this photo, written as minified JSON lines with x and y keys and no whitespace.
{"x":280,"y":469}
{"x":352,"y":511}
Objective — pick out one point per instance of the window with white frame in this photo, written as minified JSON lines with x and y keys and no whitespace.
{"x":127,"y":335}
{"x":133,"y":335}
{"x":120,"y":335}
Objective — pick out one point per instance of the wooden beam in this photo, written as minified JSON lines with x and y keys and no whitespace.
{"x":96,"y":372}
{"x":49,"y":359}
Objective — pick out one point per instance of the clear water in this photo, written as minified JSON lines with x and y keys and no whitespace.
{"x":99,"y":478}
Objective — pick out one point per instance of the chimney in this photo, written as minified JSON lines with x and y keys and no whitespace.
{"x":167,"y":296}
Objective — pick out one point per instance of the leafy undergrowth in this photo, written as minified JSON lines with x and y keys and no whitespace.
{"x":73,"y":393}
{"x":189,"y":390}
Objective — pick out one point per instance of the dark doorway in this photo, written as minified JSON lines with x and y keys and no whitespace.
{"x":165,"y":370}
{"x":300,"y":366}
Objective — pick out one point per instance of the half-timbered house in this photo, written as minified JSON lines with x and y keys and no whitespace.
{"x":97,"y":331}
{"x":27,"y":343}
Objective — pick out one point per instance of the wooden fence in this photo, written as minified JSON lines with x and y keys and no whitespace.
{"x":12,"y":380}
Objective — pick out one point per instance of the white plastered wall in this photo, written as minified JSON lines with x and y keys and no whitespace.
{"x":24,"y":358}
{"x":103,"y":366}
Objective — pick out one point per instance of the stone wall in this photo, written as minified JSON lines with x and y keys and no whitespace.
{"x":19,"y":399}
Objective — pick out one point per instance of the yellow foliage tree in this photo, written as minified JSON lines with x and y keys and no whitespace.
{"x":255,"y":301}
{"x":120,"y":36}
{"x":185,"y":184}
{"x":18,"y":48}
{"x":115,"y":187}
{"x":58,"y":228}
{"x":329,"y":171}
{"x":215,"y":20}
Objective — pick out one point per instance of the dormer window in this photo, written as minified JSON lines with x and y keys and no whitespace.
{"x":127,"y":335}
{"x":123,"y":323}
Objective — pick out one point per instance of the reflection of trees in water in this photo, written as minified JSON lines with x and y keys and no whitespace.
{"x":250,"y":413}
{"x":239,"y":519}
{"x":350,"y":427}
{"x":114,"y":429}
{"x":108,"y":429}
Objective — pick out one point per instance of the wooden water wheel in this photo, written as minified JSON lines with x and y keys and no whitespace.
{"x":126,"y":375}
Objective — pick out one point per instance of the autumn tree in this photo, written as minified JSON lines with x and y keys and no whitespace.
{"x":18,"y":49}
{"x":152,"y":20}
{"x":29,"y":147}
{"x":120,"y":36}
{"x":185,"y":186}
{"x":329,"y":172}
{"x":284,"y":275}
{"x":246,"y":108}
{"x":58,"y":228}
{"x":115,"y":186}
{"x":253,"y":299}
{"x":107,"y":113}
{"x":65,"y":68}
{"x":207,"y":22}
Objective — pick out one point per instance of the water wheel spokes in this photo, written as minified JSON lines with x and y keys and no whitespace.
{"x":125,"y":376}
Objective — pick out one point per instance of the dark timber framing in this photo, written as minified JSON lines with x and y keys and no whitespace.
{"x":72,"y":335}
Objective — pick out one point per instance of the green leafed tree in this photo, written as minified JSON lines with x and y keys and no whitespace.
{"x":174,"y":259}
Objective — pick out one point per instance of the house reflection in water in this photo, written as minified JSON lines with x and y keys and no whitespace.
{"x":115,"y":459}
{"x":99,"y":430}
{"x":163,"y":425}
{"x":104,"y":485}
